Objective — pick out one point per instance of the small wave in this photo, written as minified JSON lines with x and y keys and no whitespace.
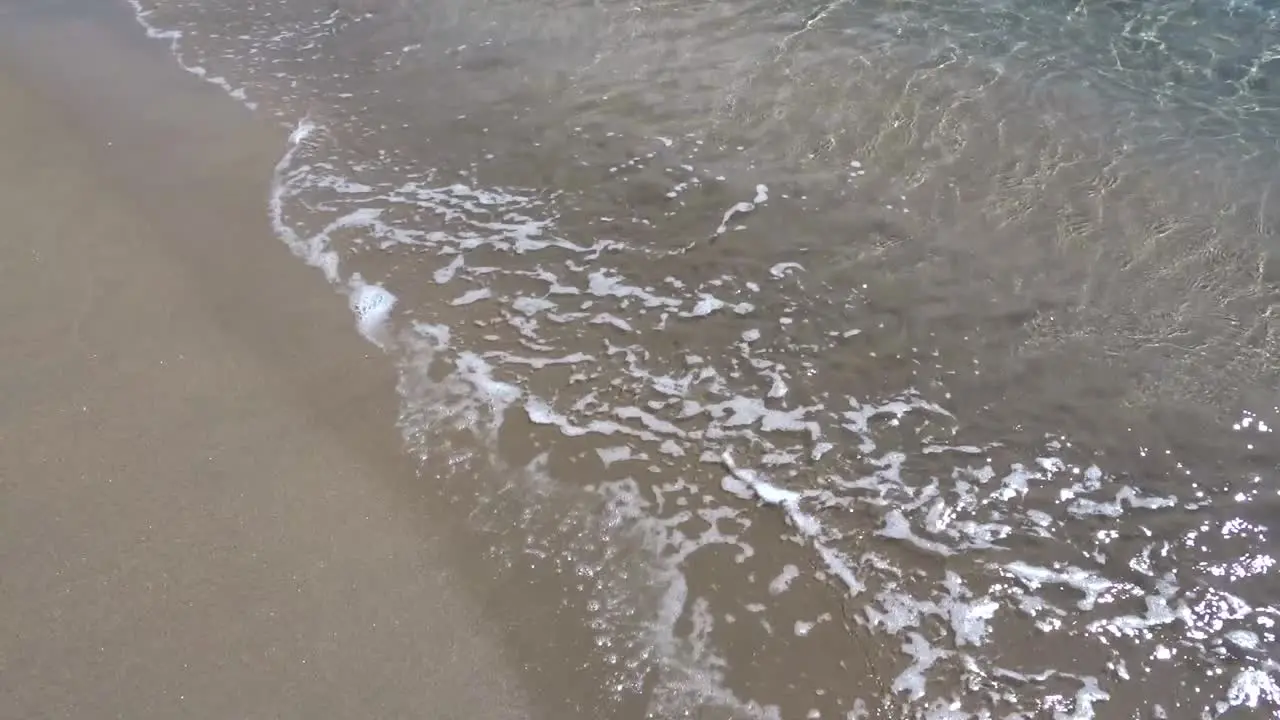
{"x":765,"y":500}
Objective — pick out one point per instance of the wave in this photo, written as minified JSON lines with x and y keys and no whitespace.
{"x":763,"y":491}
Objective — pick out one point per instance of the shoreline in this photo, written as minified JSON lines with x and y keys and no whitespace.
{"x":211,"y":510}
{"x":206,"y":505}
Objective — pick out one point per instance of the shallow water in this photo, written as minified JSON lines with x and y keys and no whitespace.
{"x":837,"y":359}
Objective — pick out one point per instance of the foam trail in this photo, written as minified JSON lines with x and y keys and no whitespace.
{"x":915,"y":521}
{"x":174,"y":38}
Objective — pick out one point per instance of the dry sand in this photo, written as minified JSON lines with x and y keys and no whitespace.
{"x":204,"y":511}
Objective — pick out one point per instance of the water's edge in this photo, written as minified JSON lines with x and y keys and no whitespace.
{"x":718,"y":445}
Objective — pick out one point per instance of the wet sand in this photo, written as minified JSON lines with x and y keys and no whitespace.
{"x":204,"y":510}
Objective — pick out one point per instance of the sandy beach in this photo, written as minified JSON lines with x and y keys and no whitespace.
{"x":726,"y":361}
{"x":204,"y":510}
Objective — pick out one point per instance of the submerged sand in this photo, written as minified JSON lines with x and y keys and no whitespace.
{"x":204,"y":510}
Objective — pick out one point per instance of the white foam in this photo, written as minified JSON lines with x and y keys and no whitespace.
{"x":1091,"y":585}
{"x":741,"y":208}
{"x":540,"y":412}
{"x":619,"y":453}
{"x":481,"y":400}
{"x":912,"y":680}
{"x":447,"y":273}
{"x":372,"y":305}
{"x":174,"y":38}
{"x":539,"y":362}
{"x":779,"y":270}
{"x":1250,"y":688}
{"x":770,"y":494}
{"x":782,"y":582}
{"x":649,"y":420}
{"x":315,"y":250}
{"x":896,"y":526}
{"x":706,"y":305}
{"x":611,"y":319}
{"x":606,"y":284}
{"x":531,"y":305}
{"x":747,"y":411}
{"x":472,"y":296}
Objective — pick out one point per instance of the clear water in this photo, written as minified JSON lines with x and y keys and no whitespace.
{"x":830,"y":360}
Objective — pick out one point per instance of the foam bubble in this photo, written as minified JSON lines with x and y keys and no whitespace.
{"x":780,"y":270}
{"x":372,"y":305}
{"x":783,"y":581}
{"x":472,"y":296}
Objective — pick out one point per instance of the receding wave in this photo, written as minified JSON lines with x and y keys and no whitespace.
{"x":840,"y":360}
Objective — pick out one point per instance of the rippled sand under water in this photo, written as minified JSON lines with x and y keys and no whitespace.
{"x":837,"y":360}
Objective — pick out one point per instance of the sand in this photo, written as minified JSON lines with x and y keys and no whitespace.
{"x":204,"y":510}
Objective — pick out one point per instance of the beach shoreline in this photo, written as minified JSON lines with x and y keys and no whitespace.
{"x":980,"y":360}
{"x":207,"y":511}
